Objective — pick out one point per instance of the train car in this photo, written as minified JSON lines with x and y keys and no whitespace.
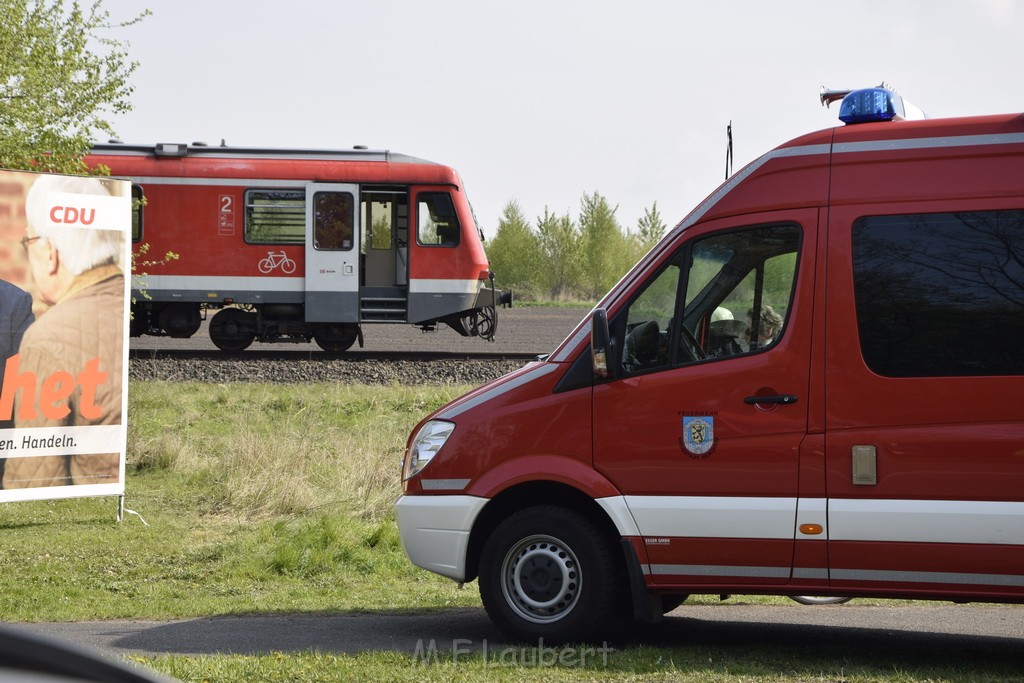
{"x":300,"y":245}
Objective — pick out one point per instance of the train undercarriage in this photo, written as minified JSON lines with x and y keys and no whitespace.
{"x":235,"y":327}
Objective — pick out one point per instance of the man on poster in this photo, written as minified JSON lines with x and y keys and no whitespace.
{"x":76,"y":271}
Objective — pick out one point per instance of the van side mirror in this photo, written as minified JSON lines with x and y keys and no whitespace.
{"x":601,"y":344}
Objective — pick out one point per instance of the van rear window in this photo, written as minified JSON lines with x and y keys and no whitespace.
{"x":941,"y":295}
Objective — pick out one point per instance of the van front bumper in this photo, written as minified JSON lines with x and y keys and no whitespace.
{"x":435,"y":531}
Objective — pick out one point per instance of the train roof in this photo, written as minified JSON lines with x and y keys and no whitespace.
{"x":199,"y":149}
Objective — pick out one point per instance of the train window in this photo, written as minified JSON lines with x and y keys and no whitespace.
{"x":138,"y":201}
{"x":438,"y":224}
{"x":275,"y":216}
{"x":333,"y":221}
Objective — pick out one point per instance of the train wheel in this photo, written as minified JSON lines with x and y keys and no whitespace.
{"x":335,"y":338}
{"x":233,"y":329}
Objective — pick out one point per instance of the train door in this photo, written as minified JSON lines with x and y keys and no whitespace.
{"x":385,"y":217}
{"x":332,"y":253}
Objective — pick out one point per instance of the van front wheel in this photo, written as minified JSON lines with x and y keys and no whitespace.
{"x":549,"y":572}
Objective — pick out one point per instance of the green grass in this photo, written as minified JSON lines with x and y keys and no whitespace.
{"x":258,"y":499}
{"x":278,"y":499}
{"x":586,"y":663}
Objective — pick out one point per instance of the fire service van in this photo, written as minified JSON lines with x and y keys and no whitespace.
{"x":813,"y":385}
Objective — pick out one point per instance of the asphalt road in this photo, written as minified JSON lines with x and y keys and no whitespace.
{"x":939,"y":633}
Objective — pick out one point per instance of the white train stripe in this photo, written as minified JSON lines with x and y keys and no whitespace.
{"x":153,"y":282}
{"x":443,"y":286}
{"x":203,"y":283}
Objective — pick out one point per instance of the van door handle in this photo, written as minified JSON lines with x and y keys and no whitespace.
{"x":784,"y":399}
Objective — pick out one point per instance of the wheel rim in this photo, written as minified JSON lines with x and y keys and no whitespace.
{"x":820,"y":599}
{"x":541,"y":579}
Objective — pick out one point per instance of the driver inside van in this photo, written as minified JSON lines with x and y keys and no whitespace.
{"x":767,"y":323}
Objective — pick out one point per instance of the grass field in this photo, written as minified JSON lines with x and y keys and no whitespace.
{"x":278,"y":499}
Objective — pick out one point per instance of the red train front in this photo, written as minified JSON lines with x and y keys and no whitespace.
{"x":300,"y":245}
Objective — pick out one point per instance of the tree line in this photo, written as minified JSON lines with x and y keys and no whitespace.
{"x":567,"y":258}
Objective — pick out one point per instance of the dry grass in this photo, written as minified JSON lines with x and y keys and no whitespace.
{"x":272,"y":450}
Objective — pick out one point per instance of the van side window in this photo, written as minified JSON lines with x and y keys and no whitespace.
{"x":438,"y":225}
{"x":737,"y":287}
{"x":941,"y":295}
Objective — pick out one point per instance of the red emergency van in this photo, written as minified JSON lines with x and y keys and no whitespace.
{"x":813,"y":385}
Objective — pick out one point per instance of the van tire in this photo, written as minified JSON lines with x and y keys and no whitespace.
{"x":575,"y":588}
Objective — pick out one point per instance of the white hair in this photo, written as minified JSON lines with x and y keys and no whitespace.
{"x":80,"y":249}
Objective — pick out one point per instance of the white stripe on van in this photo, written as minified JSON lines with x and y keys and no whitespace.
{"x":929,"y":143}
{"x":713,"y":516}
{"x":873,"y":520}
{"x":730,"y":572}
{"x":926,"y":521}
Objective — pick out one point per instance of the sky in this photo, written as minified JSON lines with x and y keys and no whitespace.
{"x":545,"y":101}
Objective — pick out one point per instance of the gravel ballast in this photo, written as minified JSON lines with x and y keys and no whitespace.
{"x":378,"y":372}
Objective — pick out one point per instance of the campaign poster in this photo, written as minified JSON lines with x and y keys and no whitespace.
{"x":64,"y":254}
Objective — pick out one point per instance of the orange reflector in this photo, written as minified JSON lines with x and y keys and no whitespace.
{"x":811,"y":529}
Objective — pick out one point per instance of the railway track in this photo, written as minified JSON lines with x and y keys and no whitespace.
{"x":318,"y":355}
{"x":393,"y":354}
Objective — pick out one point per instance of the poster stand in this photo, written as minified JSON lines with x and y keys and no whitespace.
{"x":121,"y":509}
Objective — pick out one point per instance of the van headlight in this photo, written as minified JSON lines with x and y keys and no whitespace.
{"x":430,"y":438}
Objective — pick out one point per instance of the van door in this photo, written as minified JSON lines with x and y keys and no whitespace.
{"x":925,"y":420}
{"x":702,"y":429}
{"x":332,"y":252}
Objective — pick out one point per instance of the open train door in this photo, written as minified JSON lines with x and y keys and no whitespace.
{"x":332,"y":253}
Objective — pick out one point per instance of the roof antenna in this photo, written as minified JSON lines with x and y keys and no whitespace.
{"x":728,"y":151}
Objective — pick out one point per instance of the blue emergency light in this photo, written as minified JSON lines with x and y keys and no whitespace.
{"x":871,"y":104}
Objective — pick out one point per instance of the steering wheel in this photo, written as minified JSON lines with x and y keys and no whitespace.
{"x":689,"y":345}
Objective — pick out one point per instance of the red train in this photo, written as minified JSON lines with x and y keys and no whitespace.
{"x":301,"y":245}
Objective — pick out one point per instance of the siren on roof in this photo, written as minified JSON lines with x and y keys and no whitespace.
{"x":871,"y":104}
